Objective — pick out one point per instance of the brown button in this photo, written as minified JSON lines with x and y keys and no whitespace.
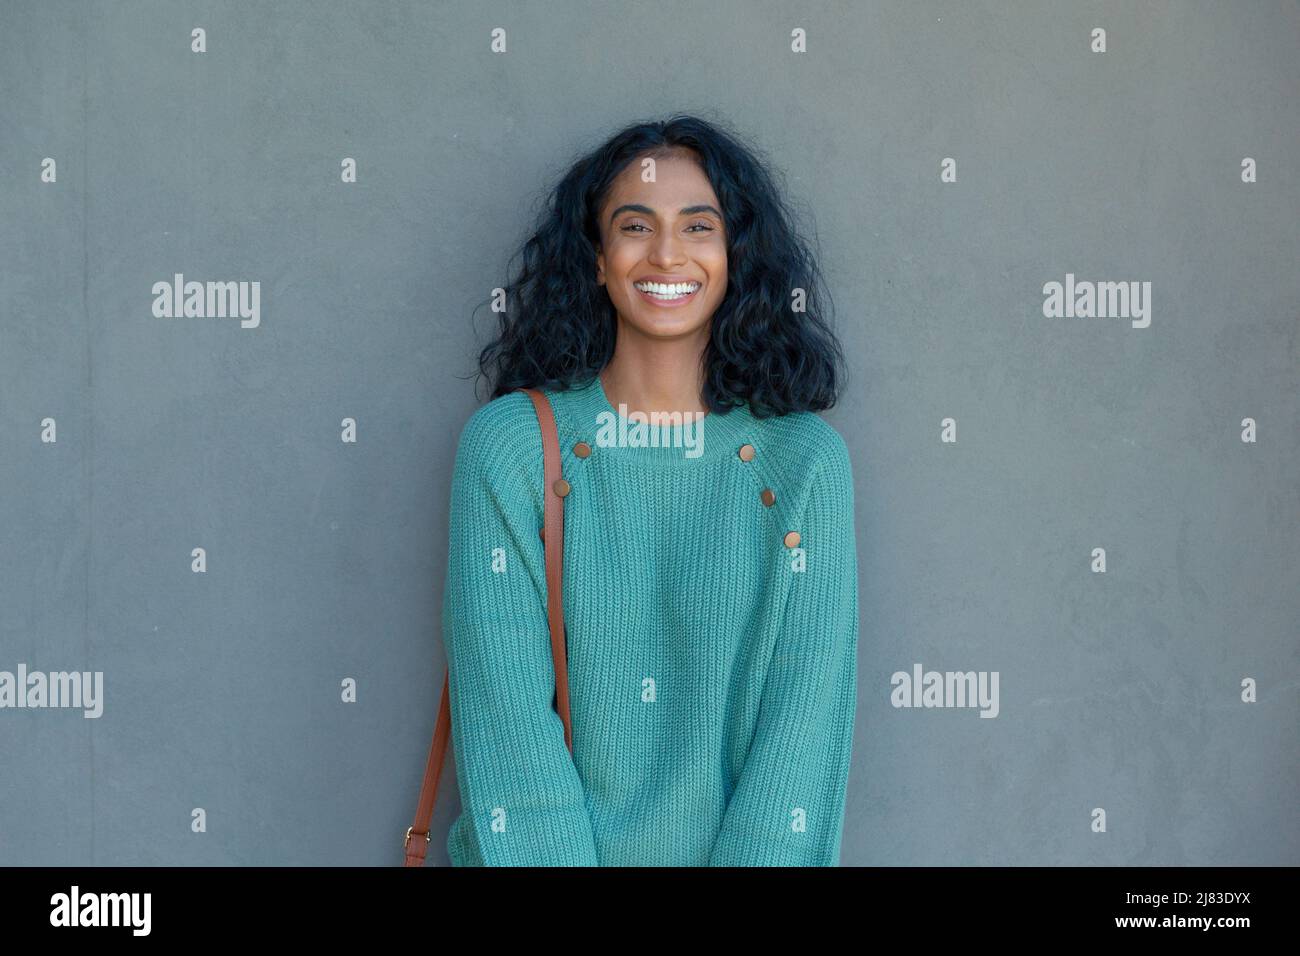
{"x":768,"y":497}
{"x":746,"y":453}
{"x":792,"y":539}
{"x":561,"y":487}
{"x":541,"y":533}
{"x":582,"y":449}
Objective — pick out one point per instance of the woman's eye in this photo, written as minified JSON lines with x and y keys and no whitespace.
{"x":633,"y":225}
{"x":704,"y":225}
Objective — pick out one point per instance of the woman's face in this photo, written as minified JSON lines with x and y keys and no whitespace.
{"x":668,"y":233}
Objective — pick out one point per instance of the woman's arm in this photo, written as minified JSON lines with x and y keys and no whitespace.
{"x":518,"y":784}
{"x":788,"y":806}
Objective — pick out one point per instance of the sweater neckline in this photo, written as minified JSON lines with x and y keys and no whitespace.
{"x":717,"y":436}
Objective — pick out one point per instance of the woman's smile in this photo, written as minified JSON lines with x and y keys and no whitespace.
{"x":668,"y":294}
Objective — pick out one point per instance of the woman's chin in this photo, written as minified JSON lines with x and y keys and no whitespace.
{"x":656,"y":322}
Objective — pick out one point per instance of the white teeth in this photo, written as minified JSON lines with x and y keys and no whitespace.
{"x":674,"y":290}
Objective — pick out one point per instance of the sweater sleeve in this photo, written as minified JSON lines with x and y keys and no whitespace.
{"x":788,"y":805}
{"x":522,"y":800}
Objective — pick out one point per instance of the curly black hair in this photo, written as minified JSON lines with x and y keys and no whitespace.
{"x":559,"y":325}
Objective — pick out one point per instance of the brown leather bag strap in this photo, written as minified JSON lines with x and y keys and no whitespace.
{"x":553,"y":496}
{"x":553,"y":537}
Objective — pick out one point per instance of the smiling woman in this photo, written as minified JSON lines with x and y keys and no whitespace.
{"x":710,"y":595}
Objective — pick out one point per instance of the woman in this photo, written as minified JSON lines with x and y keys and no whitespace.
{"x":710,"y":570}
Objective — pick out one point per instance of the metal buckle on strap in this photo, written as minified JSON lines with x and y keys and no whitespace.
{"x":407,"y":842}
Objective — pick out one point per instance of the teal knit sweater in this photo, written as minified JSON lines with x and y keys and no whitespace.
{"x":712,"y":655}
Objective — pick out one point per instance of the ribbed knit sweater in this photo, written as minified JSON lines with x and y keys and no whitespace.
{"x":712,"y":655}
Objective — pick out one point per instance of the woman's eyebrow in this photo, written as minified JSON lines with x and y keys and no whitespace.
{"x":684,"y":211}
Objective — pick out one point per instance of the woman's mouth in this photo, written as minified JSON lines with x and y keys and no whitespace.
{"x":674,"y":293}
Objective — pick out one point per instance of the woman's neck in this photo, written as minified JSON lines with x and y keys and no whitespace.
{"x":656,"y":377}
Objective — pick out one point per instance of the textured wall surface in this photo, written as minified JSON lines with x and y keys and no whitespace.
{"x":1094,"y":514}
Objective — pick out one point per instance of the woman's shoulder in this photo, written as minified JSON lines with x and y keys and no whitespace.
{"x":500,"y":432}
{"x":808,"y":441}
